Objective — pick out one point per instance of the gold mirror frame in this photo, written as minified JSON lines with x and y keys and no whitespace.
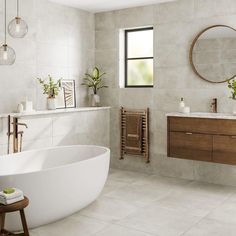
{"x":191,"y":53}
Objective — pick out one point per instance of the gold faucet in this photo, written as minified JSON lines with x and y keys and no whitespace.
{"x":15,"y":133}
{"x":214,"y":105}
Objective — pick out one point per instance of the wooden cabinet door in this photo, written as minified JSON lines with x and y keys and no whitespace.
{"x":190,"y":146}
{"x":224,"y":149}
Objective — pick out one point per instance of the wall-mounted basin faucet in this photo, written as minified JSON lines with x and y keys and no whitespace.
{"x":214,"y":105}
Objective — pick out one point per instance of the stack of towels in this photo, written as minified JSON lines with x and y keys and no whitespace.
{"x":11,"y":195}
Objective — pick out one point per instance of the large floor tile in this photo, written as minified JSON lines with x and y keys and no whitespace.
{"x":109,"y":209}
{"x":196,"y":200}
{"x":140,"y":195}
{"x":126,"y":176}
{"x":112,"y":185}
{"x":160,"y":221}
{"x":209,"y":227}
{"x":116,"y":230}
{"x":225,"y":213}
{"x":71,"y":226}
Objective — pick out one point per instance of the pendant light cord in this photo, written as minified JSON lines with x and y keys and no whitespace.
{"x":18,"y":10}
{"x":5,"y":21}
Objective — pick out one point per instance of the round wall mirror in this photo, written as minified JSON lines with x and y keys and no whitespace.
{"x":213,"y":54}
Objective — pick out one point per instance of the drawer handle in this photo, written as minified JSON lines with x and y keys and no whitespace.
{"x":188,"y":133}
{"x":233,"y":137}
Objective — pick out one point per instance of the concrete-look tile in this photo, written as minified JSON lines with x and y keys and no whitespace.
{"x":109,"y":209}
{"x":174,"y":167}
{"x":217,"y":193}
{"x":209,"y":8}
{"x":172,"y":55}
{"x":191,"y":203}
{"x":134,"y":17}
{"x":224,"y":213}
{"x":139,"y":195}
{"x":182,"y":10}
{"x":38,"y":128}
{"x":207,"y":227}
{"x":105,"y":20}
{"x":74,"y":225}
{"x":138,"y":98}
{"x":127,"y":176}
{"x":106,"y":39}
{"x":36,"y":144}
{"x":116,"y":230}
{"x":112,"y":185}
{"x":52,"y":54}
{"x":64,"y":125}
{"x":157,"y":220}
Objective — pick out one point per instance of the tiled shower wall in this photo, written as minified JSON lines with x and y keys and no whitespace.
{"x":60,"y":42}
{"x":175,"y":25}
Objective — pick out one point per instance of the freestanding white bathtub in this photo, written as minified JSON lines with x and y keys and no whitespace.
{"x":58,"y":181}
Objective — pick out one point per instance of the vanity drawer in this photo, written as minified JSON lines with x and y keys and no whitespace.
{"x":202,"y":125}
{"x":190,"y":146}
{"x":224,"y":149}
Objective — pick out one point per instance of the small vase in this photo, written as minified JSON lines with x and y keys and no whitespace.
{"x":51,"y":103}
{"x":95,"y":100}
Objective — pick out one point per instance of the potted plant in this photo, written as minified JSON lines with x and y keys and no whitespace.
{"x":95,"y":82}
{"x":232,"y":87}
{"x":50,"y":88}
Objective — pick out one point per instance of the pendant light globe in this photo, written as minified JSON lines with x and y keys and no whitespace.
{"x":17,"y":28}
{"x":7,"y":55}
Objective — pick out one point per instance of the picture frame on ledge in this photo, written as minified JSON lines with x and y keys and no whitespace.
{"x":67,"y":95}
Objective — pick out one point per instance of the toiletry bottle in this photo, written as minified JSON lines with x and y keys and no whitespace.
{"x":181,"y":105}
{"x":20,"y":108}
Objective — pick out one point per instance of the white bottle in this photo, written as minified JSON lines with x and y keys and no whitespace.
{"x":20,"y":108}
{"x":181,"y":105}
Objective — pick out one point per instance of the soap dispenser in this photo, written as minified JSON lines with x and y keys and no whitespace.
{"x":181,"y":105}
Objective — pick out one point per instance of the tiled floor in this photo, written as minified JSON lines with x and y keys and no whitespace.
{"x":134,"y":204}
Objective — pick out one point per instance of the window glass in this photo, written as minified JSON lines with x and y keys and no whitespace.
{"x":139,"y":57}
{"x":140,"y":44}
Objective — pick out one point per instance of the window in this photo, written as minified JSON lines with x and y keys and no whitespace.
{"x":139,"y":57}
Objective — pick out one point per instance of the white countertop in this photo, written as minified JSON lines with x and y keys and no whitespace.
{"x":49,"y":112}
{"x":227,"y":116}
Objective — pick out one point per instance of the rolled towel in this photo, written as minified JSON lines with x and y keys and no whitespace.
{"x":10,"y":201}
{"x":8,"y":196}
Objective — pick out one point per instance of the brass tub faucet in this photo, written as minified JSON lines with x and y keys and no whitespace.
{"x":16,"y":134}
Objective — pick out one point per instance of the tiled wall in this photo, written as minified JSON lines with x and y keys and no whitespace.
{"x":175,"y":25}
{"x":60,"y":42}
{"x":85,"y":127}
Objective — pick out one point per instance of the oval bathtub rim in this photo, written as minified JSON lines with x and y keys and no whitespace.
{"x":57,"y":167}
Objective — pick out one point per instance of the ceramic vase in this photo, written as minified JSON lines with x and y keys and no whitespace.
{"x":51,"y":103}
{"x":95,"y":100}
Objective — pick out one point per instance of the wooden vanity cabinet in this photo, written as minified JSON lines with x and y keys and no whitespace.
{"x":203,"y":139}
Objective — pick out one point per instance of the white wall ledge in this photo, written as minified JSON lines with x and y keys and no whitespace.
{"x":51,"y":112}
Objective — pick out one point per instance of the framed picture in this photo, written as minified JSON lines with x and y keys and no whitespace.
{"x":66,"y":97}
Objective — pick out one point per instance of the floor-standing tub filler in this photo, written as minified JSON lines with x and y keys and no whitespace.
{"x":58,"y":181}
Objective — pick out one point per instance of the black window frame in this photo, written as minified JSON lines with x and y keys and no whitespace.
{"x":137,"y":58}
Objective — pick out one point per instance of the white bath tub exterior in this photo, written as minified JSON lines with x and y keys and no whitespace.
{"x":58,"y":181}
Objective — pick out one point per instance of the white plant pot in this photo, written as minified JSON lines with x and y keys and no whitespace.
{"x":95,"y":100}
{"x":51,"y":103}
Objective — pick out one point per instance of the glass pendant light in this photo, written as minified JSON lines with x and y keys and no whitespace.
{"x":7,"y":54}
{"x":17,"y":28}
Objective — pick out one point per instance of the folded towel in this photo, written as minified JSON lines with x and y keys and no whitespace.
{"x":10,"y":201}
{"x":16,"y":194}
